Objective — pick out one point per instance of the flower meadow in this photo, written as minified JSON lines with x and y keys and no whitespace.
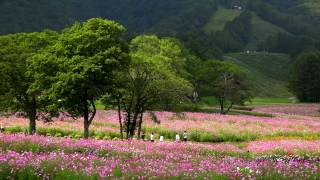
{"x":55,"y":158}
{"x":295,"y":109}
{"x":201,"y":127}
{"x":286,"y":146}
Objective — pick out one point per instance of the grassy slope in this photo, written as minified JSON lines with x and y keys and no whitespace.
{"x":270,"y":101}
{"x":268,"y":72}
{"x":261,"y":30}
{"x":220,"y":18}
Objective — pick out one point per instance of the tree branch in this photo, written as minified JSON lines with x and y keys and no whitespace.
{"x":229,"y":108}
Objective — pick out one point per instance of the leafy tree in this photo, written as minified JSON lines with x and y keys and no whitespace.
{"x":15,"y":54}
{"x":81,"y":67}
{"x":195,"y":68}
{"x":305,"y":77}
{"x":227,"y":83}
{"x":153,"y":80}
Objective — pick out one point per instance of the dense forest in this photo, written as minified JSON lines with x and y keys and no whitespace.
{"x":291,"y":22}
{"x":271,"y":32}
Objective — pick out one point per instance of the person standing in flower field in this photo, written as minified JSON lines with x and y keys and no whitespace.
{"x":177,"y":137}
{"x":185,"y":136}
{"x":152,"y":137}
{"x":1,"y":128}
{"x":161,"y":138}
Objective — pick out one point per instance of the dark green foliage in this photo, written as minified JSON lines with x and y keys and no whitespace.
{"x":153,"y":80}
{"x":305,"y":77}
{"x":16,"y":52}
{"x":203,"y":46}
{"x":239,"y":29}
{"x":287,"y":43}
{"x":289,"y":22}
{"x":164,"y":17}
{"x":81,"y":67}
{"x":223,"y":80}
{"x":184,"y":19}
{"x":235,"y":35}
{"x":301,"y":34}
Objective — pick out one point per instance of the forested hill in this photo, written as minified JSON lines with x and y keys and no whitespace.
{"x":208,"y":27}
{"x":167,"y":16}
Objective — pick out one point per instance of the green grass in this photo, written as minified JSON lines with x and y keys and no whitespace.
{"x":220,"y":18}
{"x":270,"y":101}
{"x":267,"y":72}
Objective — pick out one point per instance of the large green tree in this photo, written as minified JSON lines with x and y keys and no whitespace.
{"x":305,"y":77}
{"x":15,"y":54}
{"x":154,"y":80}
{"x":81,"y":67}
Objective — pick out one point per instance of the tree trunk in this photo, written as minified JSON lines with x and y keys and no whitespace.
{"x":86,"y":124}
{"x":86,"y":111}
{"x":229,"y":108}
{"x":86,"y":129}
{"x":120,"y":119}
{"x":32,"y":125}
{"x":133,"y":124}
{"x":32,"y":117}
{"x":128,"y":121}
{"x":221,"y":105}
{"x":140,"y":123}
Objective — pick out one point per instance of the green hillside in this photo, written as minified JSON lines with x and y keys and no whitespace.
{"x":208,"y":27}
{"x":312,"y":6}
{"x":309,"y":7}
{"x":267,"y":72}
{"x":261,"y":30}
{"x":137,"y":15}
{"x":220,"y":18}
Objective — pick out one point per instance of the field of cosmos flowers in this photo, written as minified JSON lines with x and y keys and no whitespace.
{"x":285,"y":146}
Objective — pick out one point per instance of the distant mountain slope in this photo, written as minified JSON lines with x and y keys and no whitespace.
{"x":137,"y":15}
{"x":310,"y":8}
{"x":220,"y":18}
{"x":209,"y":27}
{"x":261,"y":30}
{"x":268,"y":72}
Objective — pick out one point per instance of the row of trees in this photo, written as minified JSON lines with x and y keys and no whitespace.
{"x":45,"y":73}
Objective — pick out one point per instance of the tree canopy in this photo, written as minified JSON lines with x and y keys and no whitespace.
{"x":305,"y":77}
{"x":80,"y":67}
{"x":153,"y":80}
{"x":227,"y":82}
{"x":16,"y":52}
